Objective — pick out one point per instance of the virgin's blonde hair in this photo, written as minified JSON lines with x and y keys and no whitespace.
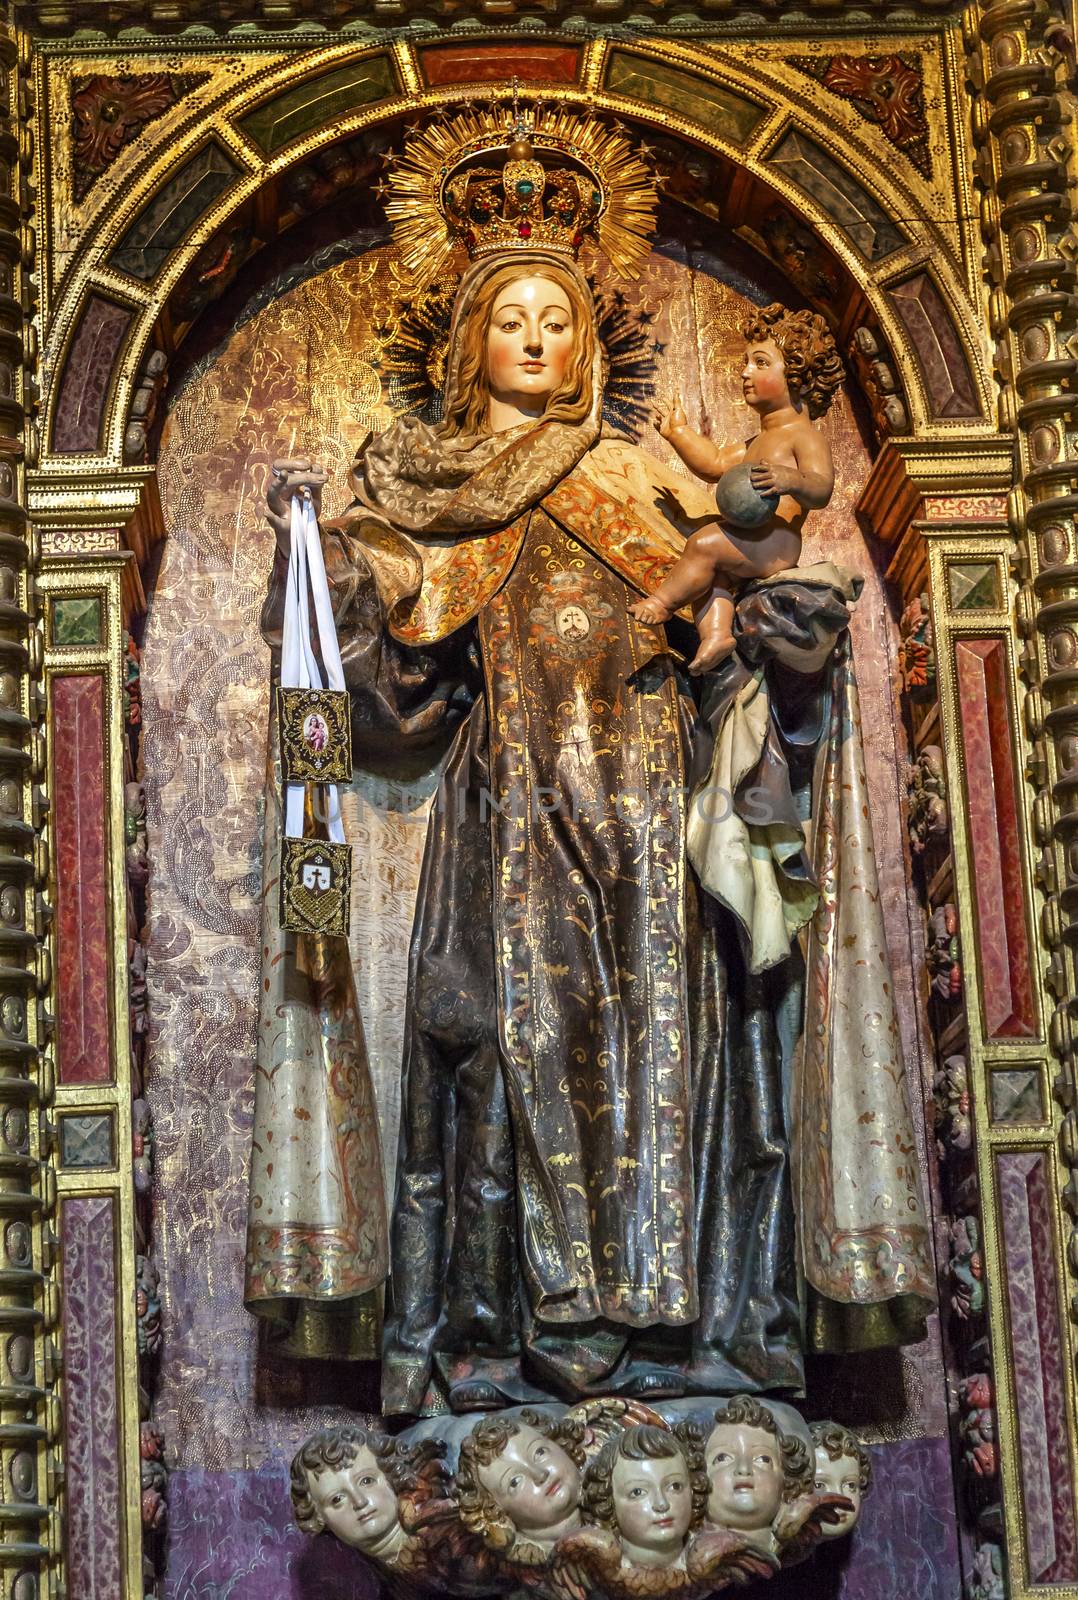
{"x":468,"y":398}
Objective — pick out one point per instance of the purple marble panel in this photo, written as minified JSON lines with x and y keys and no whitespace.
{"x":232,"y":1533}
{"x":1037,"y":1357}
{"x":84,"y":383}
{"x":93,"y":1486}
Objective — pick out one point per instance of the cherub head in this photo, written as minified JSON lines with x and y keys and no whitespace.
{"x":842,"y":1467}
{"x":790,"y":358}
{"x":752,"y":1466}
{"x":648,"y":1486}
{"x":519,"y":1478}
{"x":347,"y":1481}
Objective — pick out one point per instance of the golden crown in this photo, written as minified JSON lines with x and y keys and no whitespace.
{"x":548,"y":182}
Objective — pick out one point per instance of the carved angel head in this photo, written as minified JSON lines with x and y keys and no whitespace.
{"x":648,"y":1486}
{"x":842,"y":1467}
{"x":348,"y":1480}
{"x":753,"y":1467}
{"x":518,"y":1478}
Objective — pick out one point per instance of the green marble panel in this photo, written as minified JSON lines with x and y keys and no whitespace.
{"x":316,"y":101}
{"x":87,"y":1141}
{"x":166,"y":221}
{"x":850,"y":206}
{"x":75,"y":619}
{"x":974,"y":585}
{"x":1017,"y":1096}
{"x":653,"y":83}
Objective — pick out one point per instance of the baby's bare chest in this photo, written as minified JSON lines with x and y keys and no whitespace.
{"x":778,"y":446}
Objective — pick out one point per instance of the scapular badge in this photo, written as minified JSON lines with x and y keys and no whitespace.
{"x":314,"y":724}
{"x":316,"y":886}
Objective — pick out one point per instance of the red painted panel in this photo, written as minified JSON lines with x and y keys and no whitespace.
{"x":995,"y":840}
{"x":78,"y":739}
{"x":470,"y":63}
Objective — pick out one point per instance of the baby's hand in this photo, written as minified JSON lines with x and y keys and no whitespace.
{"x":768,"y":478}
{"x":651,"y":610}
{"x":671,"y":420}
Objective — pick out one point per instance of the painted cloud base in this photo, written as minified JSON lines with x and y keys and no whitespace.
{"x":607,"y":1498}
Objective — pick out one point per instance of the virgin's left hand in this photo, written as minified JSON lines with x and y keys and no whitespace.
{"x":769,"y":478}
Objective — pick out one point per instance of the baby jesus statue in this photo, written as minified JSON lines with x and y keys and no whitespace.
{"x":766,"y":487}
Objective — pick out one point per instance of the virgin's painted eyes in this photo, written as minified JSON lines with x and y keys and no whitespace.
{"x":637,"y":1493}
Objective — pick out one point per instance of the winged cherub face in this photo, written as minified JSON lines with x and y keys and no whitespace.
{"x":653,"y":1507}
{"x":744,"y":1469}
{"x":839,"y":1477}
{"x":357,"y":1502}
{"x":535,"y":1482}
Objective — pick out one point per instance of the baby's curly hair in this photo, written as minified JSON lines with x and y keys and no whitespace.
{"x":645,"y":1441}
{"x":479,"y":1511}
{"x":336,"y":1448}
{"x":813,"y":366}
{"x":837,"y":1442}
{"x":797,"y":1464}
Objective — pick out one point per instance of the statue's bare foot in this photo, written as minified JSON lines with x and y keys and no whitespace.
{"x":651,"y":610}
{"x":711,"y":654}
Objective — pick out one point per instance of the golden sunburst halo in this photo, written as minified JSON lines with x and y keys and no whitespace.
{"x":428,"y":225}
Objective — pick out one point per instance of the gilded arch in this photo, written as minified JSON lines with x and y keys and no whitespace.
{"x":908,"y":248}
{"x":959,"y":457}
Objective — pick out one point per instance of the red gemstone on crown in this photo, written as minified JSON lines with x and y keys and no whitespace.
{"x":525,"y":230}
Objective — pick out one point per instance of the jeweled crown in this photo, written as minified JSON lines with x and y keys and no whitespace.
{"x":550,"y":181}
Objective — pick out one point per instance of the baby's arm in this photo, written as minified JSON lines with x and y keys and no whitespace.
{"x":810,"y":481}
{"x":706,"y":459}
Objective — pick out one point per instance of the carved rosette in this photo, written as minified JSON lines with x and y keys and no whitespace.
{"x":29,"y":1409}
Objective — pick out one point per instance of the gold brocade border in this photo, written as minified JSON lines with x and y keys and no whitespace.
{"x":73,"y":496}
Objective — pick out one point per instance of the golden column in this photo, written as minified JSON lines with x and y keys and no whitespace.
{"x":29,"y":1413}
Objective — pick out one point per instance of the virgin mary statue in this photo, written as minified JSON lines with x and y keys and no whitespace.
{"x":640,"y":1153}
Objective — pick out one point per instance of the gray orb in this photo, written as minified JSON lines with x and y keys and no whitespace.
{"x":739,"y":502}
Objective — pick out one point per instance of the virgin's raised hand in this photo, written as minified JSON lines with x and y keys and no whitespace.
{"x":287,"y":479}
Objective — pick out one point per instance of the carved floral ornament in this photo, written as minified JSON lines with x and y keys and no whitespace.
{"x":608,"y":1497}
{"x":887,"y":90}
{"x":109,"y":111}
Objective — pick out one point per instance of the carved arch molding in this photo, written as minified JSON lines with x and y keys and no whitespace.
{"x":161,"y":167}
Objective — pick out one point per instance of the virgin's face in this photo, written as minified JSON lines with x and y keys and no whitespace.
{"x":744,"y":1469}
{"x":652,"y":1503}
{"x":529,"y":341}
{"x":534,"y":1481}
{"x":839,"y":1477}
{"x":357,"y":1502}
